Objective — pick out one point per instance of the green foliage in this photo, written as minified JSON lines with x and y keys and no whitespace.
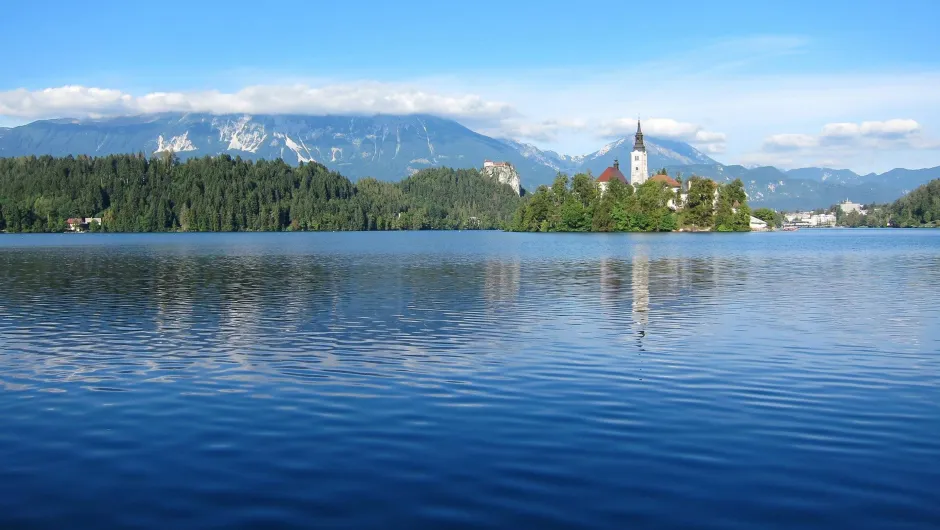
{"x":576,"y":205}
{"x":853,"y":219}
{"x":767,"y":215}
{"x":920,"y":207}
{"x":585,"y":189}
{"x":133,"y":194}
{"x":699,"y":209}
{"x":580,"y":207}
{"x":732,"y":213}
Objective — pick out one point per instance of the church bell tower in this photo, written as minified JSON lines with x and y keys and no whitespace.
{"x":639,"y":171}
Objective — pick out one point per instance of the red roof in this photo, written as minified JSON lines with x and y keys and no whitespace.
{"x":610,"y":174}
{"x":671,"y":182}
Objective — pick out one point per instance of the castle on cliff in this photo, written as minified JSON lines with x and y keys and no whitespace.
{"x":504,"y":173}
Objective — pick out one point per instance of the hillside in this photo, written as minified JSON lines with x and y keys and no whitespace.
{"x":920,"y":207}
{"x":131,"y":193}
{"x":390,"y":148}
{"x":384,"y":147}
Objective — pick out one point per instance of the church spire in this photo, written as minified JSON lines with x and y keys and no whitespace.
{"x":638,"y":145}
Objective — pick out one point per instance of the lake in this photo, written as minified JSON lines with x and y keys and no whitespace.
{"x":470,"y":379}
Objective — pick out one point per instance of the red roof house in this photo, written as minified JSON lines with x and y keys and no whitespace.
{"x":612,"y":173}
{"x":671,"y":182}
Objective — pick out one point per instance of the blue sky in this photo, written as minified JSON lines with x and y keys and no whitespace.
{"x":848,"y":84}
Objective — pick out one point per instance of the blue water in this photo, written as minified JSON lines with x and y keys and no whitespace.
{"x":485,"y":380}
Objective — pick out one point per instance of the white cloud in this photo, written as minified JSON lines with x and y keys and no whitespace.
{"x":890,"y":129}
{"x":840,"y":130}
{"x":544,"y":131}
{"x":898,"y":133}
{"x":350,"y":98}
{"x":709,"y":141}
{"x":710,"y":137}
{"x":789,"y":142}
{"x":712,"y":149}
{"x":719,"y":90}
{"x":730,"y":86}
{"x":839,"y":143}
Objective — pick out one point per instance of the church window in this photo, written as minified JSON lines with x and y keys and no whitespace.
{"x":637,"y":158}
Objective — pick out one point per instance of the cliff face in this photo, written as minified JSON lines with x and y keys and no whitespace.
{"x":504,"y":173}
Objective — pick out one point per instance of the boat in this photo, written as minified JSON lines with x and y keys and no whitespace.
{"x":790,"y":228}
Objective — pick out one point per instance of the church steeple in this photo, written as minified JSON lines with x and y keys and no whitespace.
{"x":639,"y":171}
{"x":638,"y":144}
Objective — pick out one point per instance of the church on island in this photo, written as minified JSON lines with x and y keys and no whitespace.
{"x":639,"y":170}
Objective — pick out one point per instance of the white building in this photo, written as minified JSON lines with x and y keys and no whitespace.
{"x":758,"y":224}
{"x":639,"y":171}
{"x":848,"y":206}
{"x":810,"y":219}
{"x":823,"y":219}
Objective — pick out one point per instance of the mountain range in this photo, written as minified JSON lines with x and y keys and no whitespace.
{"x":392,"y":147}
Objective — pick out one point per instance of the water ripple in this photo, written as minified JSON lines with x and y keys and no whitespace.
{"x":470,"y":380}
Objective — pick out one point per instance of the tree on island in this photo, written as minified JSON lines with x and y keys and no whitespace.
{"x":767,"y":215}
{"x":732,"y":213}
{"x":699,"y":207}
{"x":581,"y":207}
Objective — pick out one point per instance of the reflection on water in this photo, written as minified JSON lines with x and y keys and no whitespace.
{"x":641,"y":287}
{"x":501,"y":283}
{"x":449,"y":379}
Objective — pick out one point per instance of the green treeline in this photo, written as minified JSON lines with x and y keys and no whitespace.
{"x":132,"y":193}
{"x":578,"y":205}
{"x":920,"y":207}
{"x":773,"y":218}
{"x":875,"y":216}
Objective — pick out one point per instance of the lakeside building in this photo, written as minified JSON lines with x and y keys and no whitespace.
{"x":758,"y":225}
{"x":611,"y":173}
{"x":810,"y":219}
{"x":81,"y":224}
{"x":848,"y":206}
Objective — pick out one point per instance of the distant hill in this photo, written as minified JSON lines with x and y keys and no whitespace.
{"x":824,"y":174}
{"x":392,"y":147}
{"x":385,"y":147}
{"x":920,"y":207}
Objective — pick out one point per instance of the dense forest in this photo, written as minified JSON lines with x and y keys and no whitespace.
{"x":577,"y":205}
{"x":875,"y":216}
{"x":132,"y":193}
{"x":920,"y":207}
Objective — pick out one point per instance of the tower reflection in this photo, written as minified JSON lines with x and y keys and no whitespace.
{"x":641,"y":289}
